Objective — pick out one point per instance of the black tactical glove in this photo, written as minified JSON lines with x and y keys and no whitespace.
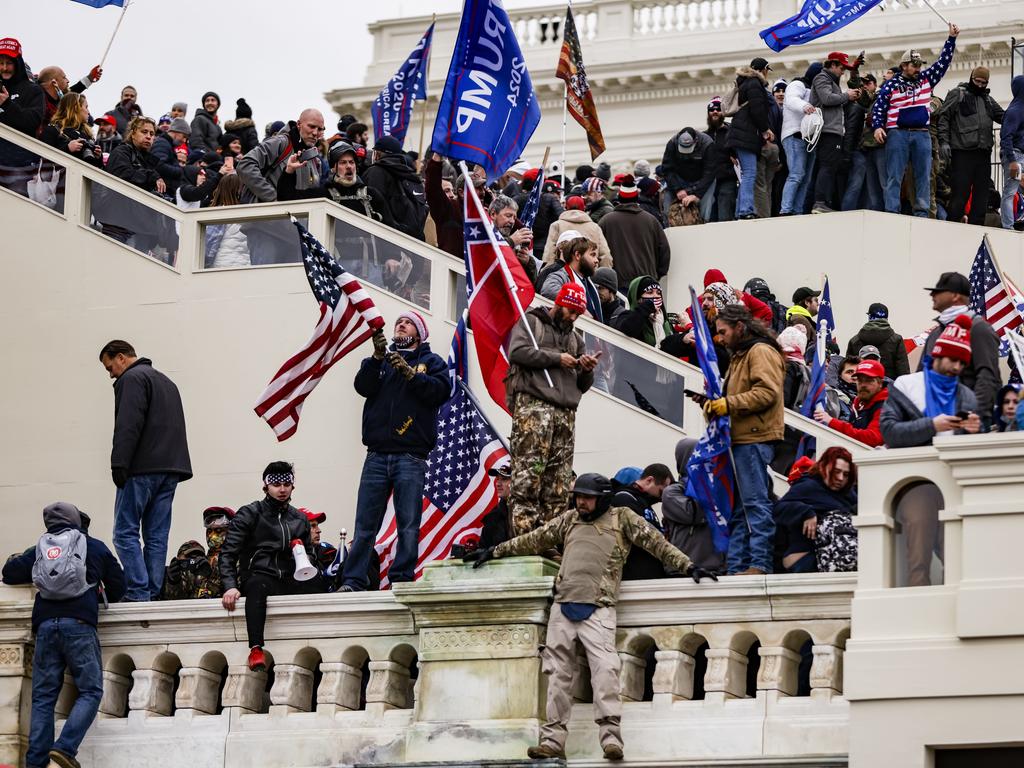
{"x":479,"y":556}
{"x":174,"y":569}
{"x":697,"y":573}
{"x":380,"y":345}
{"x":646,"y":307}
{"x":119,"y":476}
{"x":399,"y":364}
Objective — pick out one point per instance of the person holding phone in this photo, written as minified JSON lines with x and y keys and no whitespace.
{"x":921,"y":405}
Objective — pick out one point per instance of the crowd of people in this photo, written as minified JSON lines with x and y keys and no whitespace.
{"x":596,"y":248}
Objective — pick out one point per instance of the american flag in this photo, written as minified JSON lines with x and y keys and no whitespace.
{"x":991,"y":297}
{"x":457,"y":492}
{"x":826,"y":327}
{"x":348,"y":317}
{"x":529,"y":213}
{"x":710,"y":479}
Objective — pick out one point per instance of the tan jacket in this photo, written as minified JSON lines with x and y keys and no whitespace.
{"x":582,"y":223}
{"x":753,"y":393}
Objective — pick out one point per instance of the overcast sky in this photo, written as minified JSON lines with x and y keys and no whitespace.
{"x":279,"y":56}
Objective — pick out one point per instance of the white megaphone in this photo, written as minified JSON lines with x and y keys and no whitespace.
{"x":304,"y":570}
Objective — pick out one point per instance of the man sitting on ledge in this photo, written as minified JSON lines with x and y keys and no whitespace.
{"x":595,"y":539}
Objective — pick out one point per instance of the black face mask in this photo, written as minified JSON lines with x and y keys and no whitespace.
{"x":403,"y":342}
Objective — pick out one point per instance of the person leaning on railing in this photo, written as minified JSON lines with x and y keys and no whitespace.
{"x":69,"y":130}
{"x":133,"y":160}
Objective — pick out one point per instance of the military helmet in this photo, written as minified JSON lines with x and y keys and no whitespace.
{"x":592,"y":484}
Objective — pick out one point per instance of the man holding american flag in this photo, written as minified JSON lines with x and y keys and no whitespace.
{"x":404,"y":389}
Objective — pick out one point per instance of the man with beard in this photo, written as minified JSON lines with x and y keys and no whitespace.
{"x":404,"y":388}
{"x":725,"y":176}
{"x":866,"y":411}
{"x":286,"y":165}
{"x":22,"y":107}
{"x":641,"y":496}
{"x":126,"y":109}
{"x":503,"y":210}
{"x":345,"y":187}
{"x":547,"y":376}
{"x":577,"y":263}
{"x":188,"y":578}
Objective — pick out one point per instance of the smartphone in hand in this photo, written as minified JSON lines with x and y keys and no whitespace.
{"x":698,"y":397}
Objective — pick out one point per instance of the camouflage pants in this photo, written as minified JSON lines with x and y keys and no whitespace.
{"x":542,"y":442}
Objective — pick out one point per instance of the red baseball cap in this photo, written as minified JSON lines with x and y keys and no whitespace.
{"x":10,"y":48}
{"x":313,"y":517}
{"x":105,"y":119}
{"x":871,"y":368}
{"x":839,"y":56}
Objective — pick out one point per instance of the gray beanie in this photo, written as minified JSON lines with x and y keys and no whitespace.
{"x":181,"y":125}
{"x":62,"y":513}
{"x":607,"y":277}
{"x":641,"y":168}
{"x":181,"y":106}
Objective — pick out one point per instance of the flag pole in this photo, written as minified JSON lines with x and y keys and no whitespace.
{"x":509,"y":280}
{"x":124,"y":10}
{"x":935,"y":11}
{"x":426,"y":77}
{"x":565,"y":114}
{"x":476,"y":404}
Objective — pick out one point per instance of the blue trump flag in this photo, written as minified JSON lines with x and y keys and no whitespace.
{"x":101,"y":3}
{"x":529,"y":213}
{"x":816,"y":18}
{"x":826,"y":329}
{"x":392,"y":111}
{"x":488,"y":110}
{"x":709,"y":471}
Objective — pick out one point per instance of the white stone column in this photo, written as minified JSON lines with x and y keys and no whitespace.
{"x":673,"y":677}
{"x":388,"y":687}
{"x":197,"y":691}
{"x":340,"y":687}
{"x":152,"y":693}
{"x":293,"y":688}
{"x":631,"y":677}
{"x":826,"y":672}
{"x":778,"y":670}
{"x":15,"y":692}
{"x":244,"y":689}
{"x":115,"y":695}
{"x":726,"y":677}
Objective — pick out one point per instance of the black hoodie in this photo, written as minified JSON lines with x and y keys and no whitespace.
{"x":402,"y":190}
{"x":23,"y":111}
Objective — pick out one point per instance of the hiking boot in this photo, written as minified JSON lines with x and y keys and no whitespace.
{"x":612,"y":752}
{"x":63,"y":760}
{"x":545,"y":753}
{"x":257,"y":659}
{"x":821,"y":208}
{"x":751,"y":571}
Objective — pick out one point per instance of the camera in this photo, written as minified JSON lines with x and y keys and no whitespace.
{"x":199,"y":566}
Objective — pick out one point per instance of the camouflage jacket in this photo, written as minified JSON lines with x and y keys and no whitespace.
{"x":634,"y":530}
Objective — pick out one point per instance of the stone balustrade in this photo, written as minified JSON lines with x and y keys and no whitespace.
{"x":449,"y":668}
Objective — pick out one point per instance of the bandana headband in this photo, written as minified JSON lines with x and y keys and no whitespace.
{"x":285,"y":478}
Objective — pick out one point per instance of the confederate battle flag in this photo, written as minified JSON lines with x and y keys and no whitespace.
{"x":578,"y":97}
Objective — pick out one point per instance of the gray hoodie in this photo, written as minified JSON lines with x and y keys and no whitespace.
{"x":830,"y":96}
{"x":686,"y":525}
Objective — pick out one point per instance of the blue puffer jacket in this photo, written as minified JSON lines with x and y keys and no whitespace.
{"x":400,"y":416}
{"x":1011,"y":134}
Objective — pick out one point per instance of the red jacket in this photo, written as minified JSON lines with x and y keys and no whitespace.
{"x":865,"y":424}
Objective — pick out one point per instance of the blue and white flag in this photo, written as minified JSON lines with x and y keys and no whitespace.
{"x":392,"y":111}
{"x":532,"y":204}
{"x":488,"y":110}
{"x":101,"y":3}
{"x":816,"y":18}
{"x":710,"y":478}
{"x":826,"y":329}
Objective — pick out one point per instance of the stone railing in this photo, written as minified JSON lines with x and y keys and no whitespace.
{"x":449,"y":668}
{"x":657,"y":18}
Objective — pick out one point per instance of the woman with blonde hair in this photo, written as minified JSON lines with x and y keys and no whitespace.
{"x":69,"y":130}
{"x":226,"y":244}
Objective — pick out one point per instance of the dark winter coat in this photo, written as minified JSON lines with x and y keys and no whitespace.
{"x":966,"y":116}
{"x":693,"y":172}
{"x":724,"y":169}
{"x":982,"y":374}
{"x":149,"y":424}
{"x":640,"y":564}
{"x":134,"y":165}
{"x":101,"y":567}
{"x":259,"y":540}
{"x":167,"y":167}
{"x":24,"y":111}
{"x":206,"y":131}
{"x":402,"y":192}
{"x":598,"y":210}
{"x":808,"y":497}
{"x":548,"y":212}
{"x":193,"y":192}
{"x":246,"y":131}
{"x":447,"y":214}
{"x":400,"y":415}
{"x":497,"y":526}
{"x":829,"y":96}
{"x":753,"y":119}
{"x":637,"y":242}
{"x":123,"y":116}
{"x":360,"y":199}
{"x":893,"y":351}
{"x":652,"y":205}
{"x":60,"y":139}
{"x":903,"y":425}
{"x":1011,"y":133}
{"x":686,"y":523}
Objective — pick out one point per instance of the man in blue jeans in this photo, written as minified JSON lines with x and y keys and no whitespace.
{"x":753,"y":403}
{"x":65,"y":630}
{"x":148,"y":460}
{"x":404,"y":389}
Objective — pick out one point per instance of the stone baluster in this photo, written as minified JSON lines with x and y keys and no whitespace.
{"x":726,"y":677}
{"x":15,"y":693}
{"x":292,"y":690}
{"x":778,"y":670}
{"x":244,"y":689}
{"x":673,"y":677}
{"x":827,"y":672}
{"x":152,"y":693}
{"x":115,"y":694}
{"x":631,"y":677}
{"x":388,"y":687}
{"x":198,"y":691}
{"x":340,"y":687}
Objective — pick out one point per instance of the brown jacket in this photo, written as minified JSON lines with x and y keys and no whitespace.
{"x":581,"y":222}
{"x":753,"y":387}
{"x":527,"y":363}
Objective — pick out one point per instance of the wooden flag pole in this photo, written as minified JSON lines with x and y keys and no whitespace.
{"x":544,"y":162}
{"x":124,"y":10}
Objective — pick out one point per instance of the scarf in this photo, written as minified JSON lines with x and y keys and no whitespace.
{"x":949,"y":314}
{"x":939,"y":393}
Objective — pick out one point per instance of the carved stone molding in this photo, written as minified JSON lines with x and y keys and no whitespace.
{"x":12,"y":660}
{"x":500,"y":641}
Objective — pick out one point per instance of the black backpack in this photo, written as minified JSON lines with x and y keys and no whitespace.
{"x":410,"y":209}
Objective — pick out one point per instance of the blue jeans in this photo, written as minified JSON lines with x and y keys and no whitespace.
{"x":144,"y":503}
{"x":384,"y":474}
{"x":71,"y":644}
{"x":748,"y":176}
{"x":903,"y":146}
{"x":1010,"y":187}
{"x":801,"y":168}
{"x":752,"y":527}
{"x":874,"y":180}
{"x":854,"y":192}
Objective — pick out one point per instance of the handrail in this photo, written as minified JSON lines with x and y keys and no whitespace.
{"x":321,"y":211}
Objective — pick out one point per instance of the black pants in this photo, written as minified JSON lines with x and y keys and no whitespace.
{"x":969,"y":169}
{"x":256,"y":589}
{"x":830,"y":155}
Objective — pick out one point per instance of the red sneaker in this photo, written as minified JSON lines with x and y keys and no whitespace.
{"x":257,"y":659}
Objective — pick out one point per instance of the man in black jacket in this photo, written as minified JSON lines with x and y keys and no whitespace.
{"x":724,"y":206}
{"x":65,"y":638}
{"x":641,"y":496}
{"x":148,"y":460}
{"x":395,"y":179}
{"x":497,"y":524}
{"x":345,"y":187}
{"x":256,"y":559}
{"x":750,"y":128}
{"x":689,"y":166}
{"x":404,"y":389}
{"x":22,"y":106}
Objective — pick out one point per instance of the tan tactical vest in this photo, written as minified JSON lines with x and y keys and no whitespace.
{"x":587,"y":550}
